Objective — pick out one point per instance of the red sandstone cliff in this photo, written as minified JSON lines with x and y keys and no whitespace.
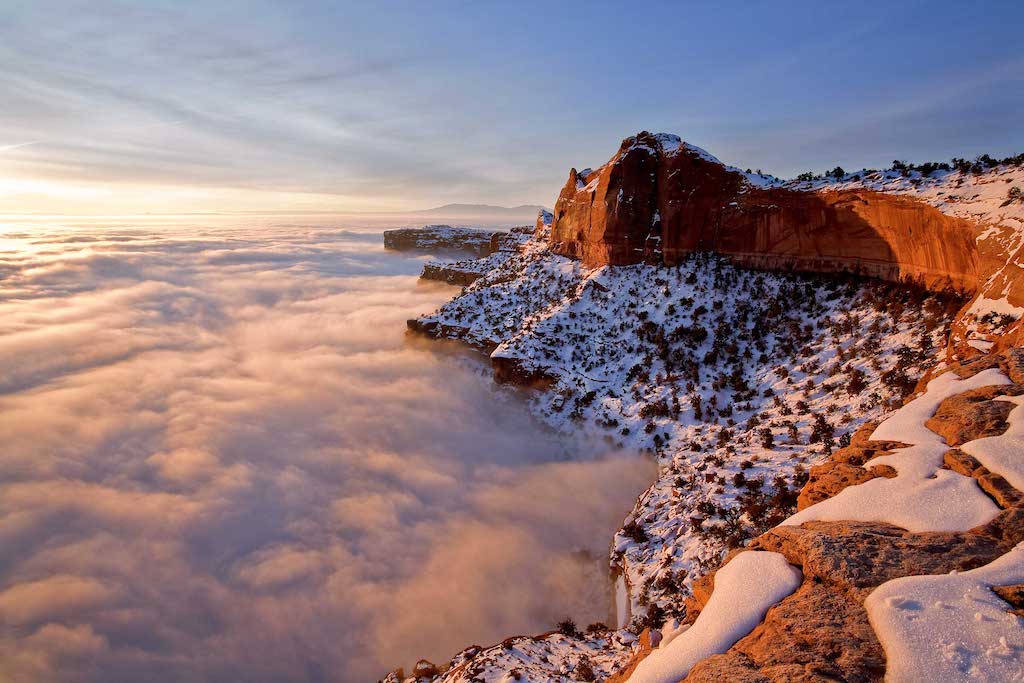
{"x":658,"y":199}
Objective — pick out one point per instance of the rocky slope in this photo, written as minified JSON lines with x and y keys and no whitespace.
{"x":763,"y":394}
{"x":823,"y":630}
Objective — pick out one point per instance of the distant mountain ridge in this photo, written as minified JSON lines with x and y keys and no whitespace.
{"x":527,"y":212}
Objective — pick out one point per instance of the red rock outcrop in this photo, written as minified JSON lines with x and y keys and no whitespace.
{"x":973,"y":414}
{"x":509,"y":370}
{"x":444,"y":237}
{"x":846,"y":467}
{"x":449,"y":273}
{"x":658,"y":200}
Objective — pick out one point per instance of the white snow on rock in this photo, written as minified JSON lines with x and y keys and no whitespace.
{"x":922,"y":497}
{"x":908,"y":423}
{"x":745,"y":589}
{"x":670,"y":143}
{"x":735,"y":381}
{"x":980,"y":197}
{"x":702,"y":153}
{"x":1004,"y":454}
{"x":951,"y":627}
{"x":982,"y":306}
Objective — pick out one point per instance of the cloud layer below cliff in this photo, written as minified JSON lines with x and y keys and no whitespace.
{"x":222,"y":459}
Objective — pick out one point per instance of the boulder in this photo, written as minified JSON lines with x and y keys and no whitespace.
{"x":997,"y":488}
{"x":799,"y":638}
{"x":854,"y":555}
{"x":425,"y":669}
{"x":1014,"y":595}
{"x":845,"y":467}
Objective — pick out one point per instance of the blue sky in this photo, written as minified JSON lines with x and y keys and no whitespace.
{"x":134,"y":106}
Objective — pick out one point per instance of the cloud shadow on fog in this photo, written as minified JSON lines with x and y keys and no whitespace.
{"x":223,"y":458}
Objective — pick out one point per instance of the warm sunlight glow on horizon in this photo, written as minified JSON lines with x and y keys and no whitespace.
{"x":21,"y":195}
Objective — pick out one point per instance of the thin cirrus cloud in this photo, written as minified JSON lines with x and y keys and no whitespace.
{"x":173,"y":102}
{"x":223,"y":460}
{"x":256,"y":106}
{"x":134,"y":108}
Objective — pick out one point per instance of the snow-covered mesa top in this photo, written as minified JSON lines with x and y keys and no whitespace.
{"x":672,"y":144}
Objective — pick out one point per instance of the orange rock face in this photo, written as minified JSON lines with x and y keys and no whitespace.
{"x":658,"y":200}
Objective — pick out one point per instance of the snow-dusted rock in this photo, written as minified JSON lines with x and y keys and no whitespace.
{"x":442,"y":237}
{"x":745,"y":589}
{"x":951,"y":627}
{"x":658,"y":199}
{"x":737,"y":381}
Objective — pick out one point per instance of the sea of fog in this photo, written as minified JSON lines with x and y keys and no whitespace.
{"x":222,"y":458}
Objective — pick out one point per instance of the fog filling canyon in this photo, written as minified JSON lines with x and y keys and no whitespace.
{"x":222,"y":458}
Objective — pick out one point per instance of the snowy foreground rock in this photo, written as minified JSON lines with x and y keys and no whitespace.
{"x":745,"y":590}
{"x":952,"y":627}
{"x":819,"y":439}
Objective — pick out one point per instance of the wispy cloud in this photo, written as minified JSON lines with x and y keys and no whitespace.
{"x":389,"y":106}
{"x":19,"y":145}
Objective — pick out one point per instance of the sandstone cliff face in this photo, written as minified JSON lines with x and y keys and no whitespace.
{"x":658,"y":200}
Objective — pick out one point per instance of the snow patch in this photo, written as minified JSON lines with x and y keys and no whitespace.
{"x":670,"y":143}
{"x":702,"y":153}
{"x":1004,"y":454}
{"x":982,"y":306}
{"x":745,"y":589}
{"x":951,"y":627}
{"x":922,"y":497}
